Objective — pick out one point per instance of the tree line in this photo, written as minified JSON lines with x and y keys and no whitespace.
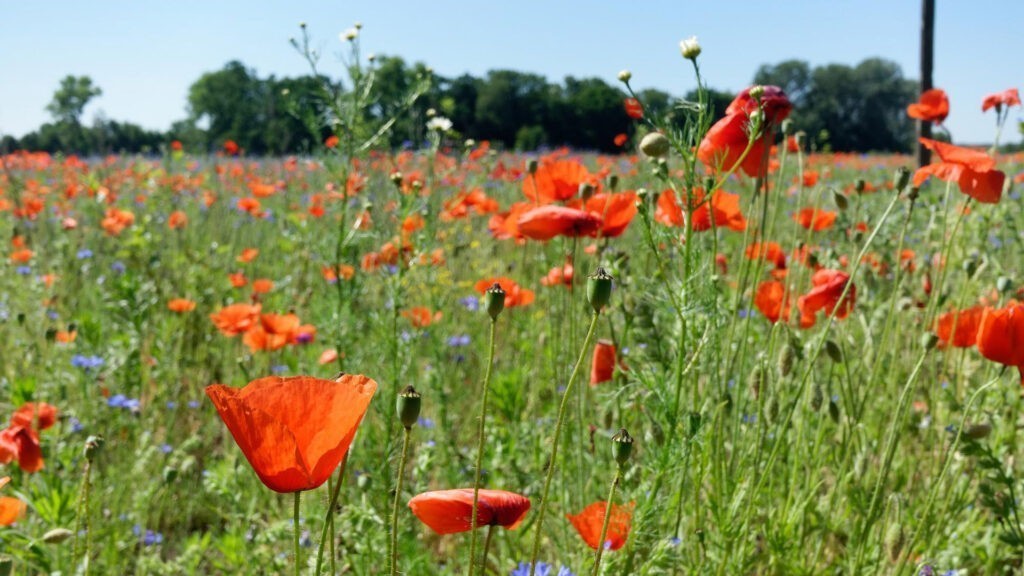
{"x":842,"y":108}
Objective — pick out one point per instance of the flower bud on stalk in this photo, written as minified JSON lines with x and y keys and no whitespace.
{"x":407,"y":404}
{"x":494,"y":301}
{"x":654,"y":145}
{"x":622,"y":446}
{"x":599,"y":289}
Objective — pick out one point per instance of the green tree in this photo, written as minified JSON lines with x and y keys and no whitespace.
{"x":67,"y":106}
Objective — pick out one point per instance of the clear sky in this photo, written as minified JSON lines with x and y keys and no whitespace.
{"x":144,"y":55}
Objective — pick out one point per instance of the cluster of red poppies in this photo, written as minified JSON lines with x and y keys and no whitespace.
{"x":997,"y":332}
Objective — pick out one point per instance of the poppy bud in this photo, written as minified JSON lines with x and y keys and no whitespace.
{"x":817,"y":397}
{"x":93,"y":444}
{"x":51,"y":334}
{"x":599,"y":289}
{"x":654,"y":145}
{"x":970,"y":267}
{"x":586,"y":190}
{"x":625,"y":76}
{"x":758,"y":382}
{"x":531,"y":167}
{"x":57,"y":535}
{"x":613,"y":182}
{"x":396,"y":179}
{"x":901,"y":178}
{"x":6,"y":565}
{"x":978,"y":431}
{"x":494,"y":301}
{"x":833,"y":411}
{"x":786,"y":357}
{"x":1004,"y":284}
{"x":170,"y":474}
{"x":929,"y":340}
{"x":408,"y":406}
{"x":841,"y":202}
{"x":622,"y":446}
{"x":914,"y":192}
{"x":787,"y":126}
{"x":894,"y":540}
{"x":756,"y":92}
{"x":833,"y":351}
{"x":690,"y":48}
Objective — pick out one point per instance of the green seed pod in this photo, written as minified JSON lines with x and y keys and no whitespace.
{"x":654,"y":145}
{"x":833,"y":411}
{"x":1004,"y":284}
{"x":894,"y":540}
{"x":407,"y":405}
{"x":901,"y":178}
{"x":586,"y":190}
{"x":817,"y":397}
{"x":364,"y":482}
{"x":531,"y":167}
{"x":787,"y":126}
{"x":170,"y":474}
{"x":786,"y":358}
{"x":93,"y":444}
{"x":6,"y":565}
{"x":833,"y":351}
{"x":57,"y":535}
{"x":622,"y":446}
{"x":494,"y":301}
{"x":929,"y":341}
{"x":756,"y":92}
{"x":758,"y":382}
{"x":613,"y":182}
{"x":978,"y":431}
{"x":970,"y":267}
{"x":841,"y":202}
{"x":859,"y":185}
{"x":51,"y":334}
{"x":599,"y":289}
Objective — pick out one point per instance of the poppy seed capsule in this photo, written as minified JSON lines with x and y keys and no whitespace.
{"x":1004,"y":284}
{"x":408,"y":406}
{"x":531,"y":167}
{"x":622,"y":446}
{"x":494,"y":301}
{"x":654,"y":145}
{"x":586,"y":190}
{"x":57,"y":535}
{"x":93,"y":444}
{"x":599,"y":289}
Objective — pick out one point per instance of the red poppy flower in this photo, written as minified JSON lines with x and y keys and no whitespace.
{"x":505,"y":226}
{"x":1001,"y":334}
{"x":774,"y":102}
{"x":1005,"y":98}
{"x":633,"y":108}
{"x":546,"y":222}
{"x":724,"y":206}
{"x":772,"y":301}
{"x":621,"y":139}
{"x":181,"y":305}
{"x":294,"y":431}
{"x":22,"y":443}
{"x":768,"y":251}
{"x":236,"y":318}
{"x":451,"y":511}
{"x":39,"y":416}
{"x":972,"y":170}
{"x":555,"y":181}
{"x":421,"y":316}
{"x":602,"y":368}
{"x":177,"y":220}
{"x":967,"y":323}
{"x":828,"y":286}
{"x":589,"y":522}
{"x":933,"y":106}
{"x":231,"y":148}
{"x":723,"y":146}
{"x":616,"y":211}
{"x":816,"y":220}
{"x":514,"y":294}
{"x":560,"y":274}
{"x":11,"y":510}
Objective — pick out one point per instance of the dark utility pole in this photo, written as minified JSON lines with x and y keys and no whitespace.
{"x":924,"y":128}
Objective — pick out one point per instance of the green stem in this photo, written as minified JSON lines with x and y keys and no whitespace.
{"x":607,"y":519}
{"x":329,"y":519}
{"x":295,"y":533}
{"x":393,"y":542}
{"x":487,"y":547}
{"x":480,"y":450}
{"x":554,"y":443}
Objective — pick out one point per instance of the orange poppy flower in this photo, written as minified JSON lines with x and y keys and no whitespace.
{"x":1001,"y":334}
{"x":828,"y":286}
{"x":181,"y":305}
{"x":505,"y":226}
{"x":974,"y":171}
{"x":546,"y":222}
{"x":932,"y":106}
{"x":272,"y":332}
{"x":723,"y":145}
{"x":769,"y":252}
{"x":21,"y":442}
{"x":22,"y":256}
{"x":116,"y":221}
{"x":514,"y":294}
{"x":39,"y":416}
{"x":967,"y":323}
{"x":772,"y":301}
{"x":248,"y":255}
{"x":816,"y":220}
{"x":294,"y":431}
{"x":616,"y":211}
{"x":724,"y":208}
{"x":555,"y":181}
{"x":11,"y":510}
{"x":668,"y":211}
{"x":451,"y":511}
{"x":620,"y":140}
{"x":332,"y":141}
{"x":1002,"y":99}
{"x":237,"y":279}
{"x":66,"y":336}
{"x":633,"y":108}
{"x":560,"y":274}
{"x":177,"y":220}
{"x":602,"y":368}
{"x":421,"y":316}
{"x":236,"y":318}
{"x":589,"y":522}
{"x":231,"y":148}
{"x":327,"y":356}
{"x":262,"y":286}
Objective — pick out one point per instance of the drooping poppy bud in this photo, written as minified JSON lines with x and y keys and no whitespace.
{"x":407,"y":405}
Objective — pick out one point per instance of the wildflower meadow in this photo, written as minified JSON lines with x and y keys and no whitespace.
{"x":723,"y":349}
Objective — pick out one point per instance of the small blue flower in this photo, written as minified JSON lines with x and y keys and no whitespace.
{"x":171,"y":405}
{"x":278,"y":369}
{"x":166,"y":448}
{"x":193,"y":404}
{"x":83,"y":254}
{"x":118,"y":268}
{"x":425,"y":422}
{"x":23,"y":270}
{"x":86,"y":362}
{"x":459,"y":340}
{"x":471,"y":303}
{"x":76,"y":425}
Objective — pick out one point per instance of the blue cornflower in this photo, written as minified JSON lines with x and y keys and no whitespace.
{"x":86,"y":362}
{"x":83,"y":254}
{"x":166,"y":448}
{"x":118,"y":267}
{"x":471,"y":303}
{"x":459,"y":340}
{"x":425,"y":422}
{"x":23,"y":270}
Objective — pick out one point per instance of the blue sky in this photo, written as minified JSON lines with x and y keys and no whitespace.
{"x":144,"y":55}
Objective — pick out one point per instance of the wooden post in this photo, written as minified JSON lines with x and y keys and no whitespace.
{"x":924,"y":128}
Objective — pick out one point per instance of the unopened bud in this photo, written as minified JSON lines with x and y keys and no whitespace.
{"x":690,"y":48}
{"x":494,"y":301}
{"x":613,"y":182}
{"x":407,"y":405}
{"x":756,"y":92}
{"x":859,"y":185}
{"x":978,"y":431}
{"x":531,"y":166}
{"x":625,"y":76}
{"x":1004,"y":284}
{"x":833,"y":351}
{"x":901,"y":178}
{"x":787,"y":126}
{"x":57,"y":535}
{"x":654,"y":145}
{"x":929,"y":340}
{"x":93,"y":444}
{"x":599,"y":289}
{"x":840,"y":199}
{"x":786,"y":358}
{"x":586,"y":190}
{"x":622,"y":447}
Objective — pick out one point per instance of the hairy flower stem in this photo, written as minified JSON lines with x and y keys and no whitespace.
{"x":481,"y":427}
{"x":295,"y":533}
{"x":487,"y":547}
{"x":82,"y":520}
{"x":393,"y":541}
{"x":329,"y":519}
{"x":607,"y":519}
{"x":554,"y":444}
